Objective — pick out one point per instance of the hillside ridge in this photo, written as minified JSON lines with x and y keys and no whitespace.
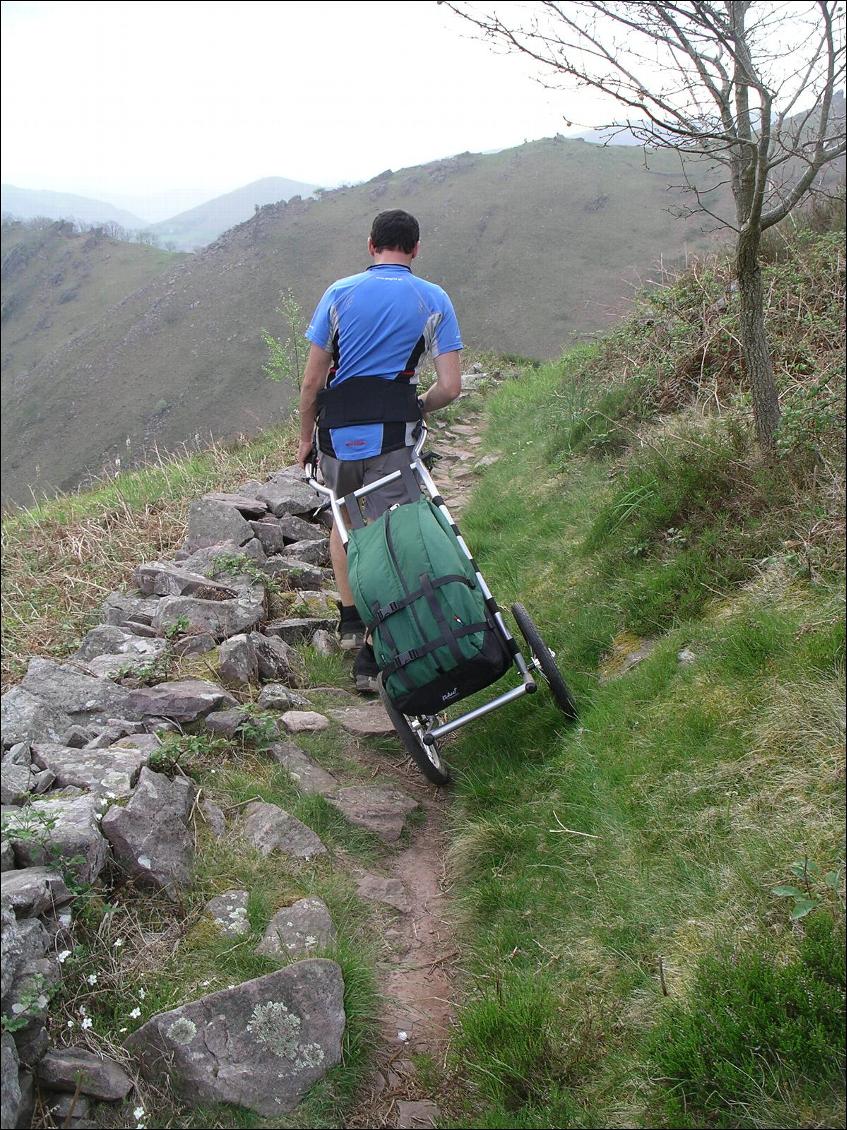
{"x":565,"y":226}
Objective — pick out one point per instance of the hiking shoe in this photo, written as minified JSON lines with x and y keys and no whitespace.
{"x":365,"y":671}
{"x":351,"y":631}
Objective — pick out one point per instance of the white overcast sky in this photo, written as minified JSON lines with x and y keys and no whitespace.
{"x":130,"y":102}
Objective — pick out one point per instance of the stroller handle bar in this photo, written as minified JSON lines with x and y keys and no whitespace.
{"x":337,"y":504}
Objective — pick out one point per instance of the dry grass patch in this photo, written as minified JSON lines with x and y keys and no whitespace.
{"x":62,"y":557}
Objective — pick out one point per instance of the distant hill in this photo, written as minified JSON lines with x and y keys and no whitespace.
{"x":30,"y":203}
{"x":537,"y":246}
{"x":57,"y":282}
{"x":201,"y":225}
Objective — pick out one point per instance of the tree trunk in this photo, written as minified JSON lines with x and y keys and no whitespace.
{"x":755,"y":346}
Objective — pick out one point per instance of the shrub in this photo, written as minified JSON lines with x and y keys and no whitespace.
{"x":753,"y":1027}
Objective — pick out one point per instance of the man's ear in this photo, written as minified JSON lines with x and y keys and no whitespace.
{"x":371,"y":248}
{"x":416,"y":249}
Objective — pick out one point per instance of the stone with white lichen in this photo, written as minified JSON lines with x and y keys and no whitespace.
{"x":260,"y":1044}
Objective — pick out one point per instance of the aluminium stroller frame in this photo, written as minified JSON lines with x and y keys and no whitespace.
{"x":421,"y":733}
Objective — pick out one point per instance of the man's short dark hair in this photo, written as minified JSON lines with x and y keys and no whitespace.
{"x":395,"y":231}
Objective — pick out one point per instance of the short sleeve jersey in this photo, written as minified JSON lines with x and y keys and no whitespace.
{"x":380,"y":323}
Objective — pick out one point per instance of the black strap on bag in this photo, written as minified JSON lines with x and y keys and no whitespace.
{"x":382,"y":613}
{"x":367,"y":400}
{"x":407,"y":657}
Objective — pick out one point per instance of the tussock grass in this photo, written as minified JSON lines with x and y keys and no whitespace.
{"x":618,"y":875}
{"x":62,"y":557}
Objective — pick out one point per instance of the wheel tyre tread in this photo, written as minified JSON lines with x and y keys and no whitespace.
{"x":410,"y":742}
{"x":558,"y":686}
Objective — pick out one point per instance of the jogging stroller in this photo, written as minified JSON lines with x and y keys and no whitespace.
{"x":460,"y":643}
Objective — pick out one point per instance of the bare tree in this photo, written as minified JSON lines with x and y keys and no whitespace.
{"x":747,"y":86}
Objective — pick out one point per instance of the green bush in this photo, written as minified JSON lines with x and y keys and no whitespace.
{"x":752,"y":1028}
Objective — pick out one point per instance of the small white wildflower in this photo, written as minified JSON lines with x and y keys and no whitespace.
{"x":402,"y":1036}
{"x":134,"y":1015}
{"x":117,"y":943}
{"x":63,"y":956}
{"x":122,"y":1030}
{"x":138,"y":1113}
{"x":214,"y":770}
{"x":91,"y":978}
{"x":103,"y":802}
{"x":82,"y":1010}
{"x":87,"y":1022}
{"x":71,"y":1024}
{"x":142,"y":993}
{"x":230,"y":986}
{"x":203,"y":984}
{"x":111,"y":796}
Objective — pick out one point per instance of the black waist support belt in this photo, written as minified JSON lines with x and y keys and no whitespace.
{"x":367,"y":400}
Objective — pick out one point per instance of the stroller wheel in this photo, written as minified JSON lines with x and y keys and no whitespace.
{"x":545,"y":662}
{"x":410,"y":733}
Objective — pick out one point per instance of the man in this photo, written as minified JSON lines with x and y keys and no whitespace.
{"x":368,"y":335}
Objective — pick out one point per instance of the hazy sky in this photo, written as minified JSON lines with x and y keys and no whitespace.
{"x":128,"y":101}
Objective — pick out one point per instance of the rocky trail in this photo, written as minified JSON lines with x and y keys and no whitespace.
{"x":89,"y":805}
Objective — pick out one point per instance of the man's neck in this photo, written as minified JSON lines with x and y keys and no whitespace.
{"x":393,"y":259}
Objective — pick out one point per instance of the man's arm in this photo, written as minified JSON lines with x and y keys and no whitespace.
{"x":448,"y":382}
{"x":314,"y":379}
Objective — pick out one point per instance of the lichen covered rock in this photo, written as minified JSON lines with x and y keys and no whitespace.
{"x":261,"y":1044}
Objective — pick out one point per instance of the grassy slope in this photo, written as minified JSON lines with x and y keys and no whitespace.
{"x":592,"y":866}
{"x":629,"y":963}
{"x":185,"y":354}
{"x":56,"y":282}
{"x":63,"y":557}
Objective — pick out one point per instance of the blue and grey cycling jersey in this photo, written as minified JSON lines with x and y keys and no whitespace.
{"x":380,"y":323}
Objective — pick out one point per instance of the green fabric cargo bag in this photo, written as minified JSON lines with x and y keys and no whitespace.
{"x":434,"y":638}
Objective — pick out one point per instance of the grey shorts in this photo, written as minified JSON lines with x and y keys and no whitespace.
{"x":344,"y":475}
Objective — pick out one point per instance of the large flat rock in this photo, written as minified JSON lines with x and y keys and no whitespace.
{"x":184,"y":700}
{"x":114,"y":770}
{"x":63,"y":827}
{"x":270,"y":828}
{"x":249,"y":507}
{"x":72,"y":690}
{"x":33,"y":890}
{"x":382,"y":810}
{"x":25,"y":717}
{"x":298,"y":574}
{"x":150,"y":837}
{"x":109,"y":639}
{"x":120,"y":607}
{"x":211,"y":522}
{"x":217,"y":618}
{"x":308,"y":776}
{"x":315,"y":551}
{"x":161,"y":578}
{"x":298,"y":930}
{"x":367,"y":721}
{"x":260,"y":1045}
{"x":285,"y":494}
{"x":66,"y":1069}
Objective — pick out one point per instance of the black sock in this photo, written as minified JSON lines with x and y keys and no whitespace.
{"x":349,"y":612}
